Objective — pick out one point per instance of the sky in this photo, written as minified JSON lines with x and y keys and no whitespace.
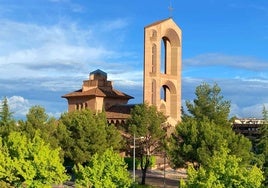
{"x":48,"y":47}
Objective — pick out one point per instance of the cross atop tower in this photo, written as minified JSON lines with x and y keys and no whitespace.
{"x":170,"y":8}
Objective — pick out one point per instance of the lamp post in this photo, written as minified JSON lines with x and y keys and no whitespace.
{"x":134,"y":156}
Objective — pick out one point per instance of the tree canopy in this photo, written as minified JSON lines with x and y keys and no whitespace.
{"x":104,"y":170}
{"x":83,"y":133}
{"x":38,"y":120}
{"x":29,"y":162}
{"x":195,"y":142}
{"x":223,"y":170}
{"x":210,"y":104}
{"x":203,"y":132}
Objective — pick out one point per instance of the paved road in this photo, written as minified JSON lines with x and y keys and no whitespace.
{"x":157,"y":178}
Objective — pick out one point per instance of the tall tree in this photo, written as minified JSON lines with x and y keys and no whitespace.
{"x":29,"y":162}
{"x":209,"y":103}
{"x":195,"y":141}
{"x":38,"y":120}
{"x":148,"y":124}
{"x":205,"y":129}
{"x":83,"y":133}
{"x":5,"y":114}
{"x":262,"y":145}
{"x":7,"y":122}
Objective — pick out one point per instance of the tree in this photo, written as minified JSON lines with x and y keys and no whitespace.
{"x":83,"y":133}
{"x":195,"y":142}
{"x":262,"y":145}
{"x":7,"y":123}
{"x":38,"y":120}
{"x":223,"y":170}
{"x":29,"y":162}
{"x":104,"y":170}
{"x":209,"y":104}
{"x":202,"y":132}
{"x":147,"y":123}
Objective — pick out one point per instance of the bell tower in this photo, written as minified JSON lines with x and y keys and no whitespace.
{"x":162,"y":67}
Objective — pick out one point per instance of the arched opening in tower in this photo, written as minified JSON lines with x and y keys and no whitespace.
{"x":165,"y":99}
{"x":163,"y":93}
{"x":165,"y":50}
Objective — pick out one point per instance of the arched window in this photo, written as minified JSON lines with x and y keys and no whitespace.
{"x":154,"y":58}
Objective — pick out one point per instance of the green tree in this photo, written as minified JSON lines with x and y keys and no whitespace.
{"x":38,"y":120}
{"x":202,"y":132}
{"x":104,"y":170}
{"x":262,"y":145}
{"x":209,"y":103}
{"x":7,"y":122}
{"x":29,"y":162}
{"x":83,"y":133}
{"x":148,"y":124}
{"x":195,"y":142}
{"x":222,"y":171}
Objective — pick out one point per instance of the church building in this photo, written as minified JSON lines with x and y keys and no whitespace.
{"x":97,"y":94}
{"x":161,"y":80}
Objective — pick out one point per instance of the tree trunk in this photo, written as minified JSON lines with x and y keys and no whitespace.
{"x":144,"y":169}
{"x":143,"y":177}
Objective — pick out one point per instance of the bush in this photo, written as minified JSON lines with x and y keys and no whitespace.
{"x":106,"y":170}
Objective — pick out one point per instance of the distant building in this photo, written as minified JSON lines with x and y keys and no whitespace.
{"x":249,"y":127}
{"x":98,"y":94}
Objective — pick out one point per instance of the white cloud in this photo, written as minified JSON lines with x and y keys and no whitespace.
{"x":252,"y":111}
{"x":31,"y":52}
{"x":18,"y":105}
{"x":247,"y":96}
{"x":115,"y":24}
{"x":217,"y":59}
{"x":125,"y":79}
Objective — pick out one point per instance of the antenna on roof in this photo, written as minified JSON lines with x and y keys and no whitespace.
{"x":170,"y":8}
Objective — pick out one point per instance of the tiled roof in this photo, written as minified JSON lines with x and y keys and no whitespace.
{"x":100,"y":92}
{"x":115,"y":93}
{"x":91,"y":92}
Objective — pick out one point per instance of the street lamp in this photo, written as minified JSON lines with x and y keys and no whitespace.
{"x":134,"y":155}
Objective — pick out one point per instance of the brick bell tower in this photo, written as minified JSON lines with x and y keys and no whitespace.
{"x":162,"y":68}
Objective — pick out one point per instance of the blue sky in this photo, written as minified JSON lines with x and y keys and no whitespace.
{"x":48,"y":47}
